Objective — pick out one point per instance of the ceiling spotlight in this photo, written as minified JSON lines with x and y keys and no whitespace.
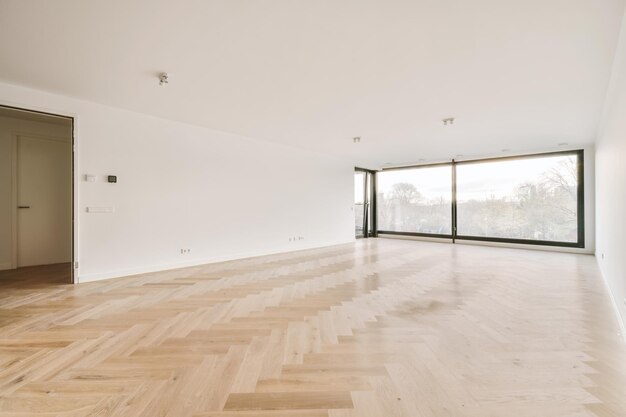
{"x":448,"y":121}
{"x":356,"y":139}
{"x":163,"y":78}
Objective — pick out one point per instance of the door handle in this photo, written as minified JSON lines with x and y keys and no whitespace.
{"x":21,"y":207}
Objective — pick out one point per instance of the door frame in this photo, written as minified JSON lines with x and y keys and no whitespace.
{"x":74,"y":208}
{"x":369,"y":204}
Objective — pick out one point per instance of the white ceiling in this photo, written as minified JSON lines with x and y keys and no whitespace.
{"x":523,"y":75}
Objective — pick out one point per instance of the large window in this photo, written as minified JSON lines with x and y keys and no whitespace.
{"x":417,"y":200}
{"x":529,"y":198}
{"x":535,"y":199}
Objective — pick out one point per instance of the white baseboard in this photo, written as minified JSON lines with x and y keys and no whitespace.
{"x":618,"y":314}
{"x":195,"y":262}
{"x":420,"y":238}
{"x":543,"y":248}
{"x":6,"y":266}
{"x":582,"y":251}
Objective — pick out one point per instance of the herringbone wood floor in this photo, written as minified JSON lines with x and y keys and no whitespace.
{"x":377,"y":328}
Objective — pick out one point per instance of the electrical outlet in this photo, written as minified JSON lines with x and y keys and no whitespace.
{"x":185,"y":251}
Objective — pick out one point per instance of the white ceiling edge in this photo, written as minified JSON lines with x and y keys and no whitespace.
{"x":516,"y":75}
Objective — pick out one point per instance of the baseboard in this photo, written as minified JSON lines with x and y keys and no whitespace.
{"x":618,"y":314}
{"x":6,"y":266}
{"x":582,"y":251}
{"x":195,"y":262}
{"x":543,"y":248}
{"x":419,"y":238}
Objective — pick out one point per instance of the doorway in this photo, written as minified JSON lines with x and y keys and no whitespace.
{"x":36,"y":190}
{"x":364,"y":193}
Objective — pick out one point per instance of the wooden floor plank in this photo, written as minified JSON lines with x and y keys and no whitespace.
{"x":289,"y":401}
{"x":376,"y":328}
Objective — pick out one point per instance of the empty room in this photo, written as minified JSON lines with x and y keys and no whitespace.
{"x":287,"y":208}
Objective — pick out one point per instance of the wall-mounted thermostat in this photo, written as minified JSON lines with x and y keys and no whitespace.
{"x":112,"y":178}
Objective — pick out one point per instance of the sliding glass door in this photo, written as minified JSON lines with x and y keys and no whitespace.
{"x":360,"y":185}
{"x":363,"y":194}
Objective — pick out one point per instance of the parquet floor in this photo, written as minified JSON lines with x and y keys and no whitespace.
{"x":35,"y":277}
{"x":379,"y":328}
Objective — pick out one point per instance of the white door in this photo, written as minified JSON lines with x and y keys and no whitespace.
{"x":44,"y":198}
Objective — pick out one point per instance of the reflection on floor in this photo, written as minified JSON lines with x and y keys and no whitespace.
{"x":377,"y":328}
{"x":33,"y":276}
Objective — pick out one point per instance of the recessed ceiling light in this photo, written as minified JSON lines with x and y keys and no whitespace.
{"x":356,"y":139}
{"x":563,"y":144}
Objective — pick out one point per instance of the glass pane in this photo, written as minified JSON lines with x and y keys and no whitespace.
{"x":359,"y":201}
{"x":359,"y":187}
{"x":370,"y":206}
{"x":532,"y":198}
{"x":416,"y":200}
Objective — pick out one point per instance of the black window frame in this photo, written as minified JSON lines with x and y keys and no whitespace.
{"x":454,"y":236}
{"x":369,"y":207}
{"x":452,"y":203}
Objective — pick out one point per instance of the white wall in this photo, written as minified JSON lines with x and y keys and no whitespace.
{"x":181,"y":186}
{"x":611,"y":182}
{"x":9,"y":127}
